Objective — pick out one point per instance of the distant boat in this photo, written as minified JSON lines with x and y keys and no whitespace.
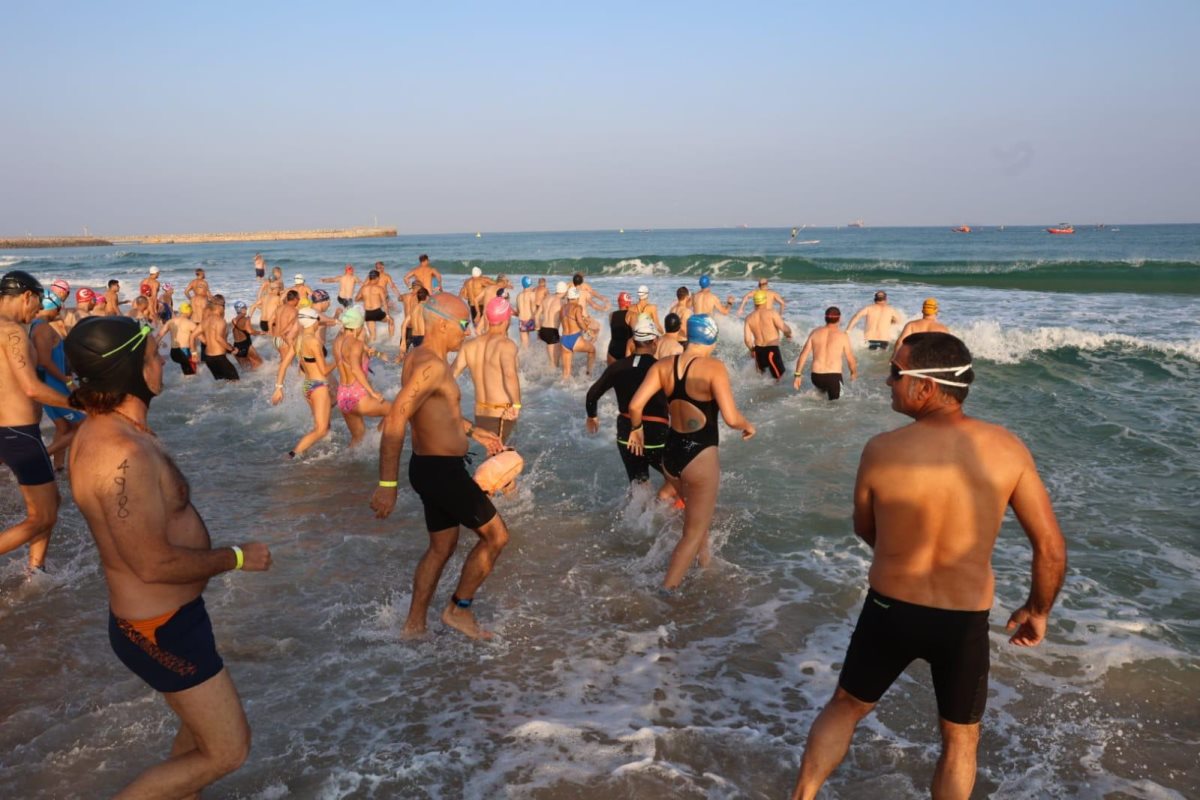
{"x":478,"y":235}
{"x":1063,"y":227}
{"x":858,"y":223}
{"x":962,"y":229}
{"x":809,"y":241}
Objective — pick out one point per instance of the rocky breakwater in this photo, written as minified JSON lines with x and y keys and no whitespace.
{"x":256,"y":236}
{"x":52,"y":241}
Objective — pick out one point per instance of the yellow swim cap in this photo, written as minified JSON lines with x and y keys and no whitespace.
{"x":760,"y":298}
{"x":930,"y":306}
{"x":185,"y":308}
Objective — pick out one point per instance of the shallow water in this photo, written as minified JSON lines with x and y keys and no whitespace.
{"x":596,"y":687}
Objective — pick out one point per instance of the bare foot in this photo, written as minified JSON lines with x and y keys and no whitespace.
{"x":463,"y":621}
{"x":411,"y":631}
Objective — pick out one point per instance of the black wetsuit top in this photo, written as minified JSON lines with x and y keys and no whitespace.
{"x":621,"y":334}
{"x":625,"y":376}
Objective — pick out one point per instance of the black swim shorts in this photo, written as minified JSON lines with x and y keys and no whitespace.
{"x":22,"y":449}
{"x":184,"y":359}
{"x":877,"y":344}
{"x":828,"y":382}
{"x":263,"y":326}
{"x":345,"y":302}
{"x":374,"y":315}
{"x":221,"y":368}
{"x":242,"y":348}
{"x":769,"y":359}
{"x":891,"y":634}
{"x":174,"y":655}
{"x":548,"y":335}
{"x":450,"y":495}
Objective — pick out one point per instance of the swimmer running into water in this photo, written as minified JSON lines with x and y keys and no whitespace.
{"x":429,"y":401}
{"x":156,"y":554}
{"x":697,"y":388}
{"x":356,"y":398}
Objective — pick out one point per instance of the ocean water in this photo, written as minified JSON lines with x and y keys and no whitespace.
{"x":1086,"y":346}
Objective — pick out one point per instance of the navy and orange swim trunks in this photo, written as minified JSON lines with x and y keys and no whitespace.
{"x":173,"y":652}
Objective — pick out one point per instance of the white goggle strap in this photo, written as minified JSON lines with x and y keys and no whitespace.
{"x":924,"y":373}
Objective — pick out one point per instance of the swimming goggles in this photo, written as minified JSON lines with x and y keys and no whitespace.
{"x":463,"y":324}
{"x":924,"y":374}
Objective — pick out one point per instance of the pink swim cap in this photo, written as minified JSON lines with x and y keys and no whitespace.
{"x":498,"y":311}
{"x":61,"y":287}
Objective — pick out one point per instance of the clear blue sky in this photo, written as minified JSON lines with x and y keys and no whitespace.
{"x":161,"y":117}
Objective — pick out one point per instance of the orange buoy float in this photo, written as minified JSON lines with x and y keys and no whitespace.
{"x":497,"y":474}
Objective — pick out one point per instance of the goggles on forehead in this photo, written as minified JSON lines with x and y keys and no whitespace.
{"x":463,"y":324}
{"x":924,"y":374}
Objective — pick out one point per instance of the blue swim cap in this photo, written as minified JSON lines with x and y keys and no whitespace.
{"x":526,"y":282}
{"x":705,"y":281}
{"x":702,"y":329}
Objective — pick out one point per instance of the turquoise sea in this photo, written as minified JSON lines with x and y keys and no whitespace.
{"x":1087,"y":346}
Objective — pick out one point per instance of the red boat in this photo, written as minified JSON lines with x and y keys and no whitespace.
{"x":1062,"y":228}
{"x":962,"y":229}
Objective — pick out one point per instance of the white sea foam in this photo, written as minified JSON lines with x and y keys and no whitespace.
{"x":989,"y":340}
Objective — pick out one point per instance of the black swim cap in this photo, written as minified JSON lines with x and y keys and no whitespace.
{"x":18,"y":282}
{"x":671,"y":323}
{"x":108,"y":354}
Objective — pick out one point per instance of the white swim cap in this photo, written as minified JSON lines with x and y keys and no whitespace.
{"x":572,"y":293}
{"x":476,"y":272}
{"x":643,"y":291}
{"x":560,"y":287}
{"x":153,"y":270}
{"x":299,"y":279}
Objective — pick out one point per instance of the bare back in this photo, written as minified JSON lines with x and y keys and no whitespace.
{"x":828,"y":346}
{"x":764,"y":324}
{"x":937,"y":491}
{"x":492,"y":360}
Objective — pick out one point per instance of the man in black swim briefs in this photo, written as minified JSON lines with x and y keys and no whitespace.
{"x":22,"y":396}
{"x":429,"y":401}
{"x":156,"y":555}
{"x":929,"y":500}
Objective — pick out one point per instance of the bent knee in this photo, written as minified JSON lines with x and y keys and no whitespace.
{"x":849,"y":703}
{"x":495,"y":533}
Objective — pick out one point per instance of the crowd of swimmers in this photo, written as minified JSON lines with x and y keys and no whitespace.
{"x":929,"y":497}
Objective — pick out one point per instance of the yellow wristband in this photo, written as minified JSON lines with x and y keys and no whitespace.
{"x":237,"y":553}
{"x":516,"y":405}
{"x":389,"y":484}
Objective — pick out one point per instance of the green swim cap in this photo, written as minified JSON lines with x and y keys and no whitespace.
{"x":352,"y":318}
